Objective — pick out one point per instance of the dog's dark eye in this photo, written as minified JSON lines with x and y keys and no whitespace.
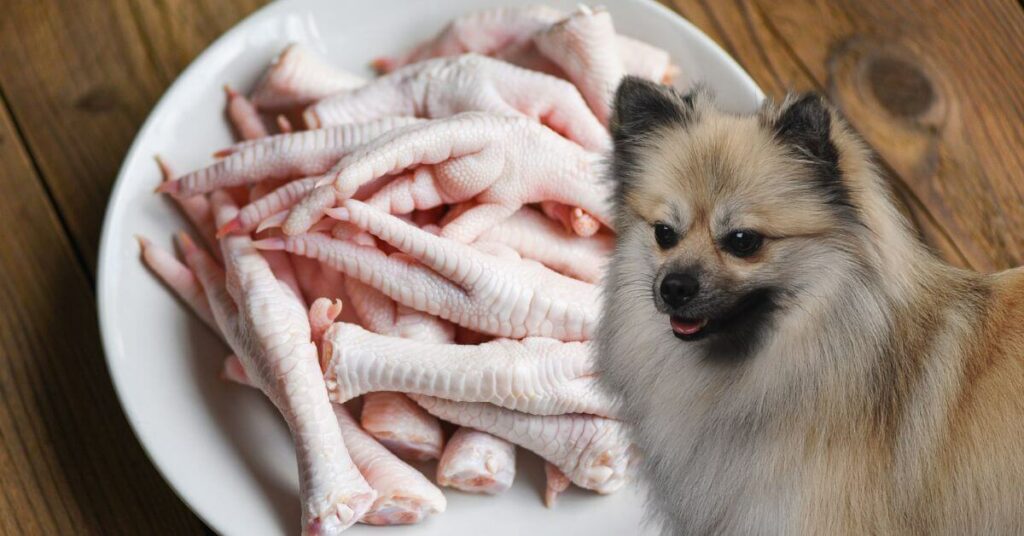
{"x":665,"y":235}
{"x":743,"y":243}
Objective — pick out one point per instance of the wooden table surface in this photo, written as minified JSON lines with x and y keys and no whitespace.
{"x":935,"y":86}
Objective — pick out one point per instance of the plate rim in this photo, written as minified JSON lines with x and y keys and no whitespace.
{"x":106,"y":255}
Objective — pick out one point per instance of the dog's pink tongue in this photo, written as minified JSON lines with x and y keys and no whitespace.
{"x":687,"y":327}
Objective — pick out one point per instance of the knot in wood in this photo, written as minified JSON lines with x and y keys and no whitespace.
{"x":900,"y":86}
{"x":97,"y":99}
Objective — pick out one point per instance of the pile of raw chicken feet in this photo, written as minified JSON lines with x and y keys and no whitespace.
{"x":430,"y":242}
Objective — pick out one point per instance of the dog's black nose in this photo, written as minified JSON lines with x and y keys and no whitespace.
{"x":677,"y":289}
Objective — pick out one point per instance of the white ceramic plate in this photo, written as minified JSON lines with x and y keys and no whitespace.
{"x":222,"y":447}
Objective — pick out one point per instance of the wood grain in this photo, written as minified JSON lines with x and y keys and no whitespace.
{"x":80,"y":76}
{"x":69,"y":464}
{"x":741,"y":30}
{"x":937,"y":88}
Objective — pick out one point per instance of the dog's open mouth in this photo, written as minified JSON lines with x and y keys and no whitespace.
{"x":688,"y":329}
{"x":741,"y":321}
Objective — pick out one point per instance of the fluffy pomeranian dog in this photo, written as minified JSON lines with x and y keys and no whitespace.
{"x":790,"y":358}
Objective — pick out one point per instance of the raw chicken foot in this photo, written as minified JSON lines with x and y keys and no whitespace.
{"x":196,"y":209}
{"x":298,"y":78}
{"x":536,"y":375}
{"x":507,"y":33}
{"x":499,"y":162}
{"x":284,"y":156}
{"x":397,"y":422}
{"x":592,"y":451}
{"x":402,"y":426}
{"x":477,"y":462}
{"x":484,"y":32}
{"x":583,"y":45}
{"x":267,"y":327}
{"x":535,"y":237}
{"x":404,"y":495}
{"x":444,"y":87}
{"x":457,"y":282}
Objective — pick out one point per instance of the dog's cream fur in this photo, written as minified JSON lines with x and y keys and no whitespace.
{"x":884,"y":396}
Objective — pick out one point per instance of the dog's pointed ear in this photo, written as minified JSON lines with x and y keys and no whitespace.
{"x":641,"y":106}
{"x":805,"y":123}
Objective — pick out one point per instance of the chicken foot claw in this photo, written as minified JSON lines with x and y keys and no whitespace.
{"x":496,"y":161}
{"x":455,"y":281}
{"x":284,"y":156}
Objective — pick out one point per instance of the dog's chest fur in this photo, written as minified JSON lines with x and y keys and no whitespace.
{"x":716,"y":463}
{"x":714,"y":474}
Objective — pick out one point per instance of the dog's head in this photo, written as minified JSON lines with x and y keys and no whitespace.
{"x":726,"y":217}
